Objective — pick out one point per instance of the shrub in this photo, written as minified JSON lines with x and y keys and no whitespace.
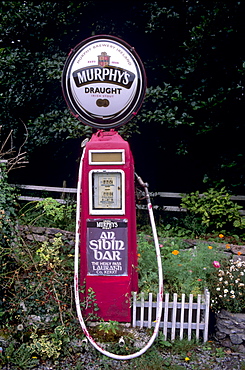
{"x":49,"y":213}
{"x":214,"y":208}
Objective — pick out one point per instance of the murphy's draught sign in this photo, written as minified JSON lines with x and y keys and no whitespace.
{"x":103,"y":82}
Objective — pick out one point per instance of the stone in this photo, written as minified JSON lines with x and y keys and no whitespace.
{"x":36,"y":229}
{"x":36,"y":238}
{"x":53,"y":231}
{"x":238,"y":248}
{"x":230,"y":328}
{"x":22,"y":228}
{"x":41,"y":234}
{"x":241,"y":348}
{"x":226,"y":342}
{"x":220,"y":335}
{"x":236,"y":339}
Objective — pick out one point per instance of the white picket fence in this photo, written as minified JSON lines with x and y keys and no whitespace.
{"x":179,"y":319}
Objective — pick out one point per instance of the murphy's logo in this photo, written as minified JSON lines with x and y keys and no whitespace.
{"x":103,"y":73}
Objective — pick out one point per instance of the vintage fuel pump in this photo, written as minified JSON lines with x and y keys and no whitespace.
{"x":104,"y":85}
{"x":108,"y":224}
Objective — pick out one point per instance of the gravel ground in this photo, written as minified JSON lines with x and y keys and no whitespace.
{"x":208,"y":357}
{"x":200,"y":359}
{"x":161,"y":356}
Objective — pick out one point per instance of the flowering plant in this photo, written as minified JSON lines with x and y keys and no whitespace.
{"x":227,"y":287}
{"x":188,"y":270}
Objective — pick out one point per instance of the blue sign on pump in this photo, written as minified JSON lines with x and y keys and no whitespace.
{"x":107,"y":250}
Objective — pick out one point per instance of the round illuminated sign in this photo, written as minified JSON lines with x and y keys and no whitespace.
{"x":103,"y":82}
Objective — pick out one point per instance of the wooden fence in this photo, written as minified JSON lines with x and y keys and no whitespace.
{"x":63,"y":191}
{"x":43,"y":189}
{"x":178,"y":318}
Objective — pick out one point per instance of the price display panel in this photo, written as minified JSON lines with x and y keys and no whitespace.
{"x":107,"y":192}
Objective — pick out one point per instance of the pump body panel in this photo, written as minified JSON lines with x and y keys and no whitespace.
{"x":107,"y":227}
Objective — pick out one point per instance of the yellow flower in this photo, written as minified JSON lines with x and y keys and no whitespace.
{"x":221,"y":236}
{"x":210,"y":247}
{"x":227,"y":246}
{"x":187,"y":359}
{"x":175,"y":252}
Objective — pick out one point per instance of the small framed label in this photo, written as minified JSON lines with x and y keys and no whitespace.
{"x":115,"y":156}
{"x":107,"y":192}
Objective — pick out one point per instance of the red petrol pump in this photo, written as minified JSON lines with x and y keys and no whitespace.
{"x":108,"y":246}
{"x":104,"y":83}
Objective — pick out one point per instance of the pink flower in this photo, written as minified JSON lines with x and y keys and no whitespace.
{"x":216,"y":264}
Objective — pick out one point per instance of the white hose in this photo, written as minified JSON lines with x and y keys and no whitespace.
{"x":76,"y":275}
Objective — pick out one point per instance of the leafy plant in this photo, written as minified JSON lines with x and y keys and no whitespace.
{"x":48,"y":345}
{"x":162,"y":342}
{"x":183,"y":346}
{"x":19,"y":357}
{"x":8,"y":234}
{"x":48,"y":253}
{"x":214,"y":208}
{"x":147,"y":266}
{"x":180,"y":229}
{"x":108,"y":326}
{"x":89,"y":302}
{"x":192,"y":223}
{"x":37,"y":289}
{"x":151,"y":360}
{"x":48,"y":212}
{"x":8,"y":206}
